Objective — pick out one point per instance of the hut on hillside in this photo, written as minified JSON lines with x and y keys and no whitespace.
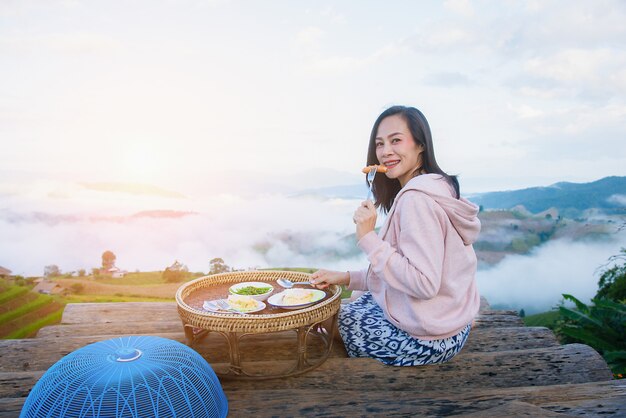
{"x":47,"y":287}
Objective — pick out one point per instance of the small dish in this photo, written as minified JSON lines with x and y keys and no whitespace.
{"x":238,"y":289}
{"x":277,"y":299}
{"x":212,"y":306}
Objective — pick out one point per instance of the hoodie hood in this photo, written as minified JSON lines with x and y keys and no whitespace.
{"x":462,"y":213}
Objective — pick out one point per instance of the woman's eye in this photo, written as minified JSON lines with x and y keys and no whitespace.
{"x":379,"y":144}
{"x":395,"y":140}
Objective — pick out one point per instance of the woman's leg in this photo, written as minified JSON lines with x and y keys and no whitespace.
{"x":366,"y":332}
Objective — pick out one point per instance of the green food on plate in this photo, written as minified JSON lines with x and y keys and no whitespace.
{"x":251,"y":290}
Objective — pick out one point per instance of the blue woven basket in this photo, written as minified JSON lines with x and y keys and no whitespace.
{"x":129,"y":377}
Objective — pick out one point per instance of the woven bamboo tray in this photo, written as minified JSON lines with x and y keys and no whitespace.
{"x":193,"y":315}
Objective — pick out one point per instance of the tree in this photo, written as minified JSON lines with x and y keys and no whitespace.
{"x":612,"y":283}
{"x":177,"y":272}
{"x":51,"y":271}
{"x":81,"y":273}
{"x":602,"y":325}
{"x":522,"y":313}
{"x":217,"y":265}
{"x":108,"y":260}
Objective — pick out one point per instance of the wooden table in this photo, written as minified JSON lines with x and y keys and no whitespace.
{"x":313,"y":326}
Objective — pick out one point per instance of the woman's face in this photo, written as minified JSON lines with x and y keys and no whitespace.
{"x":396,"y":149}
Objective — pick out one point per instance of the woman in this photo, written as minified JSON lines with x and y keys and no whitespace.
{"x":421,"y":290}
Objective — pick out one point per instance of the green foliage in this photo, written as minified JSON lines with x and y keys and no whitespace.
{"x":612,"y":283}
{"x":177,"y":272}
{"x":545,"y":319}
{"x":519,"y":245}
{"x":77,"y":288}
{"x":32,"y":328}
{"x":51,"y":271}
{"x":525,"y":244}
{"x":601,"y":325}
{"x":217,"y":265}
{"x":174,"y":276}
{"x":40,"y":301}
{"x":12,"y":292}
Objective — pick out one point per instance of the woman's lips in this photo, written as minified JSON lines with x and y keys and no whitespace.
{"x":391,"y":164}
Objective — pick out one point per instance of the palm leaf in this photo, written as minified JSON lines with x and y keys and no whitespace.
{"x":617,"y":360}
{"x":589,"y":338}
{"x":579,"y":305}
{"x":615,"y":355}
{"x":579,"y":316}
{"x":619,"y":308}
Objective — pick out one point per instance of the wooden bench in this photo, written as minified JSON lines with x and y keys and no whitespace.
{"x":505,"y":369}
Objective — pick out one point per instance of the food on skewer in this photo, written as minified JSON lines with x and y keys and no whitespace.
{"x":378,"y":168}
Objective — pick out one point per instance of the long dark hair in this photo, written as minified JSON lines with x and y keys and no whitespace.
{"x":386,"y":189}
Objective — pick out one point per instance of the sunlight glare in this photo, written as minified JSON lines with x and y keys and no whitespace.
{"x":142,"y":162}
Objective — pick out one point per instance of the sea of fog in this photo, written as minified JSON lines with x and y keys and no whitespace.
{"x":71,"y":225}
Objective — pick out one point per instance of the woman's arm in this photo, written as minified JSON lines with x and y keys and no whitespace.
{"x":418,"y":268}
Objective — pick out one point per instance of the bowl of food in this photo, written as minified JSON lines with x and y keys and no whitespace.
{"x":296,"y":298}
{"x":256,"y":290}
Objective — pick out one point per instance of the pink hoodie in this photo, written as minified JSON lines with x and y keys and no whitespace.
{"x":422,"y":263}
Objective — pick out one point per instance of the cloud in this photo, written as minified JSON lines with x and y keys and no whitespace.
{"x":309,"y":37}
{"x":618,"y":199}
{"x":150,"y":232}
{"x":445,"y":38}
{"x":447,"y":79}
{"x":461,"y":7}
{"x":61,"y":43}
{"x":334,"y":16}
{"x":588,"y":73}
{"x":315,"y":59}
{"x":537,"y":281}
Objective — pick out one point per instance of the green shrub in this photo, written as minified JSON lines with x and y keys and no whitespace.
{"x":40,"y":301}
{"x":32,"y":328}
{"x":601,"y":325}
{"x":12,"y":292}
{"x":77,"y":288}
{"x":612,"y":283}
{"x":174,"y":276}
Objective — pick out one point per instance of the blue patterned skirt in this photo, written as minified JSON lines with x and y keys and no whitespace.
{"x":367,"y":333}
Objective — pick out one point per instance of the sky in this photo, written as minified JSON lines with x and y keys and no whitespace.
{"x":210,"y":94}
{"x":170,"y":130}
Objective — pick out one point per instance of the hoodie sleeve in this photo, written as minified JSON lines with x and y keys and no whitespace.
{"x":417,"y":269}
{"x":357,"y":279}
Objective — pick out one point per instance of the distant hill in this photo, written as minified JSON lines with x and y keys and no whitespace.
{"x":607,"y":194}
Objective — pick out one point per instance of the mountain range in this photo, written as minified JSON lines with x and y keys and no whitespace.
{"x":607,"y":194}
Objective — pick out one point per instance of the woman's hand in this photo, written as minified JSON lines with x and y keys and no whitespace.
{"x":364,"y":218}
{"x":324,"y":278}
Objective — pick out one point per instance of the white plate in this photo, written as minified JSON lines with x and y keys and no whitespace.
{"x":211,"y":306}
{"x":261,"y":297}
{"x":277,"y":299}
